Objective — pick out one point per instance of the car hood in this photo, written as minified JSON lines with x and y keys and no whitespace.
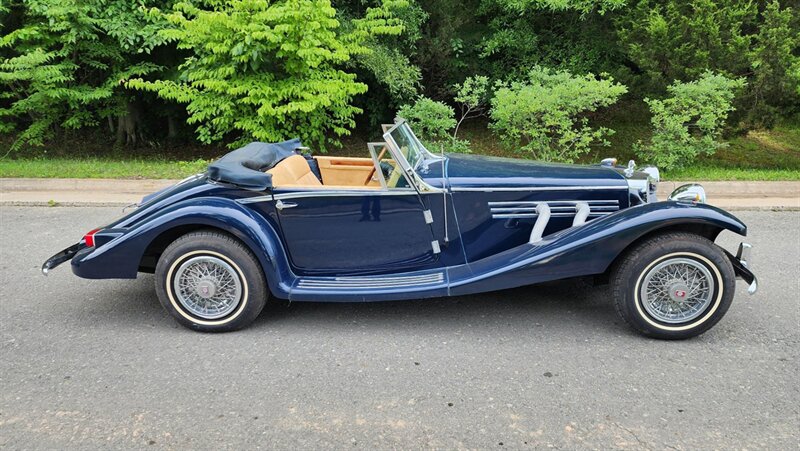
{"x":473,"y":171}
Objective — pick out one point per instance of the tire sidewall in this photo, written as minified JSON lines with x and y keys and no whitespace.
{"x":703,"y":252}
{"x":247,"y":269}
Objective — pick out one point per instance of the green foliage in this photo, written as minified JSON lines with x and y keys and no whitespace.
{"x":773,"y":88}
{"x":268,"y":71}
{"x":430,"y":120}
{"x":393,"y":70}
{"x":689,"y":122}
{"x":576,"y":36}
{"x":679,"y":40}
{"x":61,"y":67}
{"x":546,"y":114}
{"x":472,"y":96}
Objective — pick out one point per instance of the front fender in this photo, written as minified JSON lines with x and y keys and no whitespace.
{"x":120,"y":257}
{"x":590,"y":248}
{"x":606,"y":238}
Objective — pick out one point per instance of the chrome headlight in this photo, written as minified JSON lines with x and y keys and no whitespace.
{"x":691,"y":193}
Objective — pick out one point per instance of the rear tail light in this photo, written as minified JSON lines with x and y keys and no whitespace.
{"x":89,"y":237}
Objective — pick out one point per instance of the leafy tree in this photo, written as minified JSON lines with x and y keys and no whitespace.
{"x":61,"y":65}
{"x":472,"y":97}
{"x":689,"y":122}
{"x":576,"y":36}
{"x":267,"y":71}
{"x":773,"y":88}
{"x":546,"y":114}
{"x":678,"y":40}
{"x":387,"y":68}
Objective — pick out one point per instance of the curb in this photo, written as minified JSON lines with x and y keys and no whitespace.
{"x":40,"y":204}
{"x":29,"y":192}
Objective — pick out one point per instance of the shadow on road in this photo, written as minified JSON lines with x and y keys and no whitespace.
{"x":133,"y":303}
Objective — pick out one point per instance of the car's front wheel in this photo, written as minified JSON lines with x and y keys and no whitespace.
{"x":211,"y":282}
{"x":673,"y":286}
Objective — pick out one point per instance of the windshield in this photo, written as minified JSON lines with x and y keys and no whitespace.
{"x":407,"y":144}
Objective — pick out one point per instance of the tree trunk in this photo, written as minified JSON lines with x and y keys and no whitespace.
{"x":128,"y":127}
{"x":172,"y":126}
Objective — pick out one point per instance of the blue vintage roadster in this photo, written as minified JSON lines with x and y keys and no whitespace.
{"x":268,"y":220}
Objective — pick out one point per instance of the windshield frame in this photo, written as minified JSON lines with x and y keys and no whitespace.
{"x":425,"y":158}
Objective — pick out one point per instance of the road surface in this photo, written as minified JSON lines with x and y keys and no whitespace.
{"x":99,"y":364}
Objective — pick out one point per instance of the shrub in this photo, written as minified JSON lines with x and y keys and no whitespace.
{"x":545,"y":115}
{"x":472,"y":96}
{"x":430,"y":120}
{"x":689,"y":122}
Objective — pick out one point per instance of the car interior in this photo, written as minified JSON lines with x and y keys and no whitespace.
{"x":339,"y":172}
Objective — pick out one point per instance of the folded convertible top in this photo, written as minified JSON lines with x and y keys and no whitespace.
{"x":245,"y":167}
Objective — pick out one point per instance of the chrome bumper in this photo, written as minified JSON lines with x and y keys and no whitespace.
{"x":62,"y":256}
{"x":742,"y":266}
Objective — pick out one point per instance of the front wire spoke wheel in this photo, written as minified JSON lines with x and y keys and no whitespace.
{"x":674,"y":285}
{"x":677,"y":290}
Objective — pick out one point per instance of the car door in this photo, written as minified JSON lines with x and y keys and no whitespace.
{"x":339,"y":230}
{"x":354,"y":230}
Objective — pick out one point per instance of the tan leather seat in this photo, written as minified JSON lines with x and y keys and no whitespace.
{"x":293,"y":171}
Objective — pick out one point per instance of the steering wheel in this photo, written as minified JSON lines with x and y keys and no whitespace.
{"x":374,"y":168}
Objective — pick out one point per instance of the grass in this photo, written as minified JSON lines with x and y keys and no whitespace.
{"x":759,"y":155}
{"x":712,"y":173}
{"x":92,"y":168}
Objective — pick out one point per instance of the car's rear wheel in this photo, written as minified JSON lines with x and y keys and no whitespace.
{"x":673,"y":286}
{"x":211,"y":282}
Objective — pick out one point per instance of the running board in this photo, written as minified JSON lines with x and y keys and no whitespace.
{"x":353,"y":283}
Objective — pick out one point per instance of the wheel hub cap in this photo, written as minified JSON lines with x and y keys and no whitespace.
{"x":678,"y":292}
{"x":207,"y":287}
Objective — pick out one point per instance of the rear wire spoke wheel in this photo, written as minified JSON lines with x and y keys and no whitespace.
{"x":673,"y":286}
{"x":211,"y":282}
{"x":207,"y":286}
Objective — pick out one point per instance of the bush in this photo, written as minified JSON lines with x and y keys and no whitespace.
{"x":430,"y":120}
{"x":689,"y":122}
{"x":545,"y":115}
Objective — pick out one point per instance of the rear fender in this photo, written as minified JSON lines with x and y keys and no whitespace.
{"x":120,"y":257}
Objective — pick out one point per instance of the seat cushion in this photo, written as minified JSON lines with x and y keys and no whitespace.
{"x":293,"y":171}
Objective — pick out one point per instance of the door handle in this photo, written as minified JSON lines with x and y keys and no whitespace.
{"x":280,"y":205}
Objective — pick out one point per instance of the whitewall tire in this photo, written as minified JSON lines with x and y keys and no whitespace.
{"x":673,"y":286}
{"x":211,"y":282}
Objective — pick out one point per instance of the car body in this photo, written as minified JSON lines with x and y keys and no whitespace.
{"x":402,"y":224}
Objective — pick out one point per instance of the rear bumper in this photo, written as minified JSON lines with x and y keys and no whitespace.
{"x":61,"y":257}
{"x":742,"y":266}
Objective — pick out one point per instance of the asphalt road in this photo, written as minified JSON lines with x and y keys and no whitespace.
{"x":98,"y":364}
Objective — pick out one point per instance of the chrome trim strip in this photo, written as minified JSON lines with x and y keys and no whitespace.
{"x":347,"y":193}
{"x":555,"y":209}
{"x":350,"y":283}
{"x":533,"y":215}
{"x":252,"y":200}
{"x":551,"y":202}
{"x":539,"y":188}
{"x":331,"y":193}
